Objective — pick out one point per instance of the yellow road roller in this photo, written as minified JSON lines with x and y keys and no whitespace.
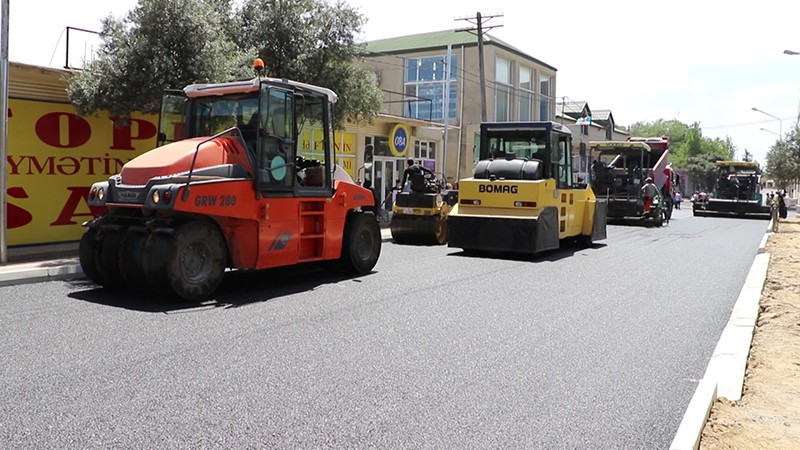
{"x":521,"y":197}
{"x":419,"y":214}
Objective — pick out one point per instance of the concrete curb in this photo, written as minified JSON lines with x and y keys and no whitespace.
{"x":763,"y":245}
{"x":691,"y":427}
{"x":724,"y":376}
{"x":35,"y":274}
{"x":729,"y":361}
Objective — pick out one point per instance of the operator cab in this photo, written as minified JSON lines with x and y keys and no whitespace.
{"x":525,"y":151}
{"x":285,"y":128}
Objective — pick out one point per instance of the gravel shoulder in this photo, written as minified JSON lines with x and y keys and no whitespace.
{"x":768,"y":416}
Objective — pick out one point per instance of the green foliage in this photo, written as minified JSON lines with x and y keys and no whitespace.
{"x":687,"y":142}
{"x":703,"y":170}
{"x":168,"y":44}
{"x":160,"y":44}
{"x":783,"y":160}
{"x":313,"y":41}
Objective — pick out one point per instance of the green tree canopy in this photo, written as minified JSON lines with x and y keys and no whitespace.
{"x":688,"y":146}
{"x":168,"y":44}
{"x":160,"y":44}
{"x":783,"y":160}
{"x":312,"y":41}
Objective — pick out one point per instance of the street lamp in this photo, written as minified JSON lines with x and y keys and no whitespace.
{"x":769,"y":131}
{"x":776,"y":118}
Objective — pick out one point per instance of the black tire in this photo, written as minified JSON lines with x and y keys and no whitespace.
{"x":441,"y":231}
{"x":107,"y":262}
{"x":130,"y":262}
{"x":87,"y":255}
{"x":659,"y":219}
{"x":154,"y":259}
{"x":195,"y":260}
{"x":361,"y":246}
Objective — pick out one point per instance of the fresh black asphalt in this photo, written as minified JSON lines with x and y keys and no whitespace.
{"x":579,"y":348}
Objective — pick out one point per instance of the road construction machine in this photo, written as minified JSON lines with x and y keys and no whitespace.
{"x":243,"y":177}
{"x":737,"y":193}
{"x":419,"y":213}
{"x":619,"y":173}
{"x":521,"y":197}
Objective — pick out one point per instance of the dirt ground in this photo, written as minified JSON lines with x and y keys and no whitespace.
{"x":768,"y":416}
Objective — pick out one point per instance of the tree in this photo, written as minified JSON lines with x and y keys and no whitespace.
{"x":703,"y":170}
{"x":686,"y":142}
{"x":160,"y":44}
{"x":783,"y":160}
{"x":164,"y":44}
{"x":313,"y":41}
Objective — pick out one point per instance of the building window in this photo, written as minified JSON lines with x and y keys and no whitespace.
{"x":502,"y":90}
{"x":544,"y":97}
{"x":525,"y":102}
{"x":427,"y":78}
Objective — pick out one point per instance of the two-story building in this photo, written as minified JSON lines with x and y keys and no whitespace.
{"x":587,"y":125}
{"x":434,"y":80}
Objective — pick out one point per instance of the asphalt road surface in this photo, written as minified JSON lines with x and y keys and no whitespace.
{"x":580,"y":348}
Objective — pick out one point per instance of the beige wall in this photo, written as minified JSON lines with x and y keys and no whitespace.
{"x":461,"y":131}
{"x":37,"y":83}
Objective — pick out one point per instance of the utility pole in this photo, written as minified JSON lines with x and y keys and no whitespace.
{"x":479,"y":30}
{"x":446,"y":106}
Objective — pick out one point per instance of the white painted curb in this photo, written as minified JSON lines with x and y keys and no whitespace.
{"x":691,"y":427}
{"x":37,"y":274}
{"x":729,"y":361}
{"x":762,"y":247}
{"x":724,"y":376}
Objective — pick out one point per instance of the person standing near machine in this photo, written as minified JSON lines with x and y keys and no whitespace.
{"x":649,"y":191}
{"x":413,"y":169}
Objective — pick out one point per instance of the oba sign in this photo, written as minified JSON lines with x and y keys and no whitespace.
{"x":54,"y":156}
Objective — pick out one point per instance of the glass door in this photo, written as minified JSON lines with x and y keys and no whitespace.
{"x":385,"y":177}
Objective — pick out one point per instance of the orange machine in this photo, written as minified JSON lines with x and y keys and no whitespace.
{"x":243,"y":177}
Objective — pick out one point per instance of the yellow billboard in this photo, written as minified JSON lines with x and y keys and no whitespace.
{"x":54,"y":156}
{"x":344,"y":144}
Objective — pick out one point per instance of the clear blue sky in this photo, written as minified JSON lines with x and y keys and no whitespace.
{"x":696,"y":61}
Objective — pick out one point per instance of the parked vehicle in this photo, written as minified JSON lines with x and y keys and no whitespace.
{"x":737,"y":193}
{"x":618,"y":174}
{"x":230,"y":186}
{"x":521,"y":197}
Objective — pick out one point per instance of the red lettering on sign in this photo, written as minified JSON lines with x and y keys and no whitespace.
{"x":78,"y":195}
{"x":48,"y":129}
{"x":17,"y":216}
{"x":123,"y":135}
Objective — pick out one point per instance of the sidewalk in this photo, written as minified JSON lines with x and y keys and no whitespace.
{"x":65,"y":268}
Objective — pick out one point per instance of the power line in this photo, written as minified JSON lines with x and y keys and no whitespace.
{"x":744,"y":124}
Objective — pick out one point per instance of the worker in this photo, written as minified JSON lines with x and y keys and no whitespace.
{"x":649,"y":191}
{"x":412,"y":169}
{"x":782,"y":212}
